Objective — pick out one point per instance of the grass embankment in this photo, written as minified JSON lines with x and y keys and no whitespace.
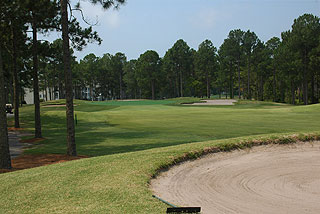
{"x":107,"y":184}
{"x":118,"y":183}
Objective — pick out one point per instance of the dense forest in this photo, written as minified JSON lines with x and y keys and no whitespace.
{"x":24,"y":58}
{"x":282,"y":69}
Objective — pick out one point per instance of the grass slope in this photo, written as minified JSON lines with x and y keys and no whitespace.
{"x":107,"y":184}
{"x":118,"y":181}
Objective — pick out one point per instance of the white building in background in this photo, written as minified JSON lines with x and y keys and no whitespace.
{"x":29,"y":98}
{"x":85,"y":94}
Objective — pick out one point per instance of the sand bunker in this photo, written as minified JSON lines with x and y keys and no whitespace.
{"x":264,"y":179}
{"x":215,"y":102}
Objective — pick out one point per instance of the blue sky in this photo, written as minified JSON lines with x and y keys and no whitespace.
{"x":142,"y":25}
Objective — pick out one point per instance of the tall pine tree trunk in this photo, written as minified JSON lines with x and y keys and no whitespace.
{"x":91,"y":91}
{"x":37,"y":118}
{"x":208,"y":85}
{"x":261,"y":88}
{"x":249,"y":91}
{"x":153,"y":89}
{"x":313,"y":100}
{"x":293,"y":96}
{"x":120,"y":81}
{"x":282,"y":91}
{"x":177,"y":85}
{"x":71,"y":143}
{"x":231,"y":82}
{"x":299,"y":89}
{"x":50,"y":93}
{"x":46,"y":88}
{"x":239,"y":81}
{"x":317,"y":89}
{"x":226,"y":90}
{"x":181,"y":84}
{"x":15,"y":79}
{"x":60,"y":86}
{"x":5,"y":160}
{"x":7,"y":91}
{"x":11,"y":91}
{"x":21,"y":95}
{"x":305,"y":80}
{"x":274,"y":85}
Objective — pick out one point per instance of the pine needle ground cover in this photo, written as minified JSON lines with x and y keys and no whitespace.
{"x":128,"y":144}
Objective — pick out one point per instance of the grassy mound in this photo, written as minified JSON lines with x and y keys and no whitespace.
{"x":109,"y":184}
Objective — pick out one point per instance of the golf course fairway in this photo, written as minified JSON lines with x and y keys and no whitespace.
{"x":130,"y":142}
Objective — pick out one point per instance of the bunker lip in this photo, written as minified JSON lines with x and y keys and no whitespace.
{"x":264,"y":179}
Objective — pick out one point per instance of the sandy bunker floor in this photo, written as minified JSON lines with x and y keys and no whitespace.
{"x":216,"y":102}
{"x":264,"y":179}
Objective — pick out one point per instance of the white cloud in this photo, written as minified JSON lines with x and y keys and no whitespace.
{"x":208,"y":18}
{"x":111,"y":18}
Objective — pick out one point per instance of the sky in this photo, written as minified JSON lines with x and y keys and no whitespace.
{"x":142,"y":25}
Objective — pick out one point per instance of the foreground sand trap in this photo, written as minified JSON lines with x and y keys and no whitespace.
{"x":215,"y":102}
{"x":264,"y":179}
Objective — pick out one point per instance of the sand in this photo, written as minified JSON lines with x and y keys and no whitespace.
{"x":215,"y":102}
{"x":264,"y":179}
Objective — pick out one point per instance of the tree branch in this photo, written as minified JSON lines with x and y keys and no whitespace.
{"x":83,"y":18}
{"x":70,"y":8}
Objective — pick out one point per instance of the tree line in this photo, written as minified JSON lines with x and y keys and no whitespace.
{"x":21,"y":57}
{"x":282,"y":69}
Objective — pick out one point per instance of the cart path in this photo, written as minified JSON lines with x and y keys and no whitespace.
{"x":264,"y":179}
{"x":15,"y":147}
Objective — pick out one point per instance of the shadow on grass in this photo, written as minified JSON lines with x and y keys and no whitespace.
{"x":94,"y":108}
{"x":91,"y":142}
{"x":81,"y":108}
{"x":96,"y":143}
{"x":99,"y":150}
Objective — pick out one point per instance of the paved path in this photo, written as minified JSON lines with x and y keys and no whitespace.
{"x":16,"y":148}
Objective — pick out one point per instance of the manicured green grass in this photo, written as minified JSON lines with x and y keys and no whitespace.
{"x":104,"y":129}
{"x":107,"y":184}
{"x":132,"y":143}
{"x":134,"y":103}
